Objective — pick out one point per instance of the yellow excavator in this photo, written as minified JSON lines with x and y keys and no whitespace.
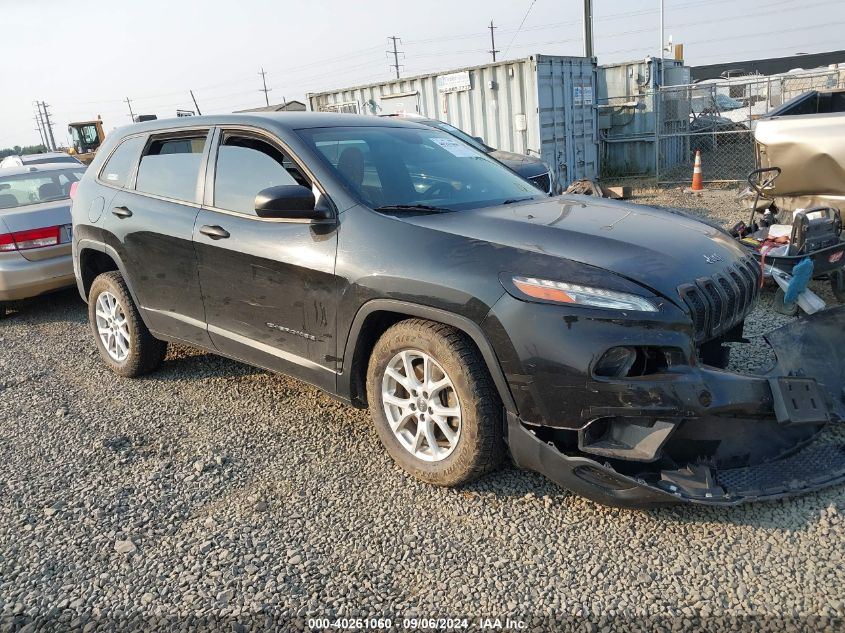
{"x":86,"y":137}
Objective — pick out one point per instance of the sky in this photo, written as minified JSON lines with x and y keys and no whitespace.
{"x":85,"y":57}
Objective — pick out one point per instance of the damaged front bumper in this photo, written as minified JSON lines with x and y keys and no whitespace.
{"x":751,"y":438}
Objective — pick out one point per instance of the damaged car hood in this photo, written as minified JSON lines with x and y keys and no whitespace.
{"x":657,"y":249}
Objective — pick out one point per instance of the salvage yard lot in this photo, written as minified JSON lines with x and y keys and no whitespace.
{"x":213,"y":489}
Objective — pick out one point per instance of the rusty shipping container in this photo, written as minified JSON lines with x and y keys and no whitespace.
{"x":542,"y":105}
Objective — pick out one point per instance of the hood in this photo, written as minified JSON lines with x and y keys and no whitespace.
{"x":525,"y":166}
{"x":656,"y":249}
{"x":35,"y":216}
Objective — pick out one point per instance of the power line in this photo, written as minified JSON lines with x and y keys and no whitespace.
{"x":314,"y":79}
{"x":524,"y":17}
{"x":736,"y":37}
{"x":395,"y":53}
{"x":265,"y":90}
{"x":492,"y":42}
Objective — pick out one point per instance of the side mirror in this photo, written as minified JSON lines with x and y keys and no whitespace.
{"x":480,"y":140}
{"x":291,"y":202}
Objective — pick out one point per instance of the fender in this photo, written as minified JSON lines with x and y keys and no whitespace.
{"x":101,"y":247}
{"x":465,"y":325}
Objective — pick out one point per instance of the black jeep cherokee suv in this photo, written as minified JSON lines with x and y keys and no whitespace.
{"x":399,"y":268}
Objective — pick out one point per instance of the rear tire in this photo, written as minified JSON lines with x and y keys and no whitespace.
{"x":124,"y":342}
{"x":2,"y":310}
{"x":443,"y":422}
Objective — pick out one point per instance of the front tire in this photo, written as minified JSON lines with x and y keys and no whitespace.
{"x":433,"y":402}
{"x":124,"y":342}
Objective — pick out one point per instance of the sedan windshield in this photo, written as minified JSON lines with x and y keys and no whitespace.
{"x":37,"y":186}
{"x":408,"y":168}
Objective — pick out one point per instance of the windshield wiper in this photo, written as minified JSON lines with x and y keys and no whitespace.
{"x":512,"y":200}
{"x":412,"y":207}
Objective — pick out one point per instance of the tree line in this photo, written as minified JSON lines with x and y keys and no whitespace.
{"x":17,"y":150}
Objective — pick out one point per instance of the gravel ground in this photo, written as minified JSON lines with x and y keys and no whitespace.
{"x":220,"y":497}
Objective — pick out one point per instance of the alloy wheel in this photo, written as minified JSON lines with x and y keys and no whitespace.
{"x":421,"y":405}
{"x":112,"y":326}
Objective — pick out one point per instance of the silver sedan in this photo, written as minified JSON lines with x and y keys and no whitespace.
{"x":35,"y":230}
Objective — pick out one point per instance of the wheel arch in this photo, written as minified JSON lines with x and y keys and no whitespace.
{"x":377,"y":315}
{"x":95,"y":258}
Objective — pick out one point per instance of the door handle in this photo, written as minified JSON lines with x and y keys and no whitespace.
{"x":214,"y":232}
{"x":121,"y":212}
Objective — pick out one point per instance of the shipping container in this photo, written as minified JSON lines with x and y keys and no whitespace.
{"x":542,"y":105}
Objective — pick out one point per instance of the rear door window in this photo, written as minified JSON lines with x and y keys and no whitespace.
{"x":171,"y":167}
{"x":119,"y":165}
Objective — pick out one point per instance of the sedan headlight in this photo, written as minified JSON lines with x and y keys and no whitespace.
{"x":562,"y":292}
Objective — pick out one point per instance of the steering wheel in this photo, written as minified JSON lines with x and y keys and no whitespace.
{"x":764,"y":182}
{"x":440,"y":190}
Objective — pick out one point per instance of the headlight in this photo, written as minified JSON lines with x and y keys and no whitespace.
{"x":562,"y":292}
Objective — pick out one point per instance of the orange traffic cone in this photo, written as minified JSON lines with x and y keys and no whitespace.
{"x":696,"y":173}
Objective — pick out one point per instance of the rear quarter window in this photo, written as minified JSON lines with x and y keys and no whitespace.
{"x":119,"y":165}
{"x":170,"y":167}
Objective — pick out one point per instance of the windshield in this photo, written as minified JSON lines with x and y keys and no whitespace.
{"x":84,"y":137}
{"x":726,"y":103}
{"x":67,"y":158}
{"x":395,"y":166}
{"x":36,"y":187}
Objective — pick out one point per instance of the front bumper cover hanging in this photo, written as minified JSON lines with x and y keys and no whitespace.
{"x":806,"y":387}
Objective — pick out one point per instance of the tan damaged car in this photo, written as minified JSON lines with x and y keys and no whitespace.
{"x":800,"y":180}
{"x":805,"y":137}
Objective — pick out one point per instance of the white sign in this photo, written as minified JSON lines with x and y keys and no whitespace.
{"x":454,"y":82}
{"x":455,"y":147}
{"x":582,"y":95}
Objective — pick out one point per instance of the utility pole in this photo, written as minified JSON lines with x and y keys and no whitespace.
{"x":588,"y":28}
{"x":195,"y":102}
{"x":131,"y":114}
{"x":40,"y":133}
{"x":265,"y":90}
{"x":395,"y":54}
{"x":43,"y":127}
{"x":662,"y":45}
{"x":492,"y":41}
{"x":49,"y":126}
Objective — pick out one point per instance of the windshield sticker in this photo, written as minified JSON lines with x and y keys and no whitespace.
{"x":112,"y":177}
{"x":455,"y":147}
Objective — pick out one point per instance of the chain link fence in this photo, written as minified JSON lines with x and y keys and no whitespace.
{"x":654,"y":136}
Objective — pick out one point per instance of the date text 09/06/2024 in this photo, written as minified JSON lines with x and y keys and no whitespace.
{"x":416,"y":624}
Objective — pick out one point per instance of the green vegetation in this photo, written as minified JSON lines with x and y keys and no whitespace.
{"x":17,"y":150}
